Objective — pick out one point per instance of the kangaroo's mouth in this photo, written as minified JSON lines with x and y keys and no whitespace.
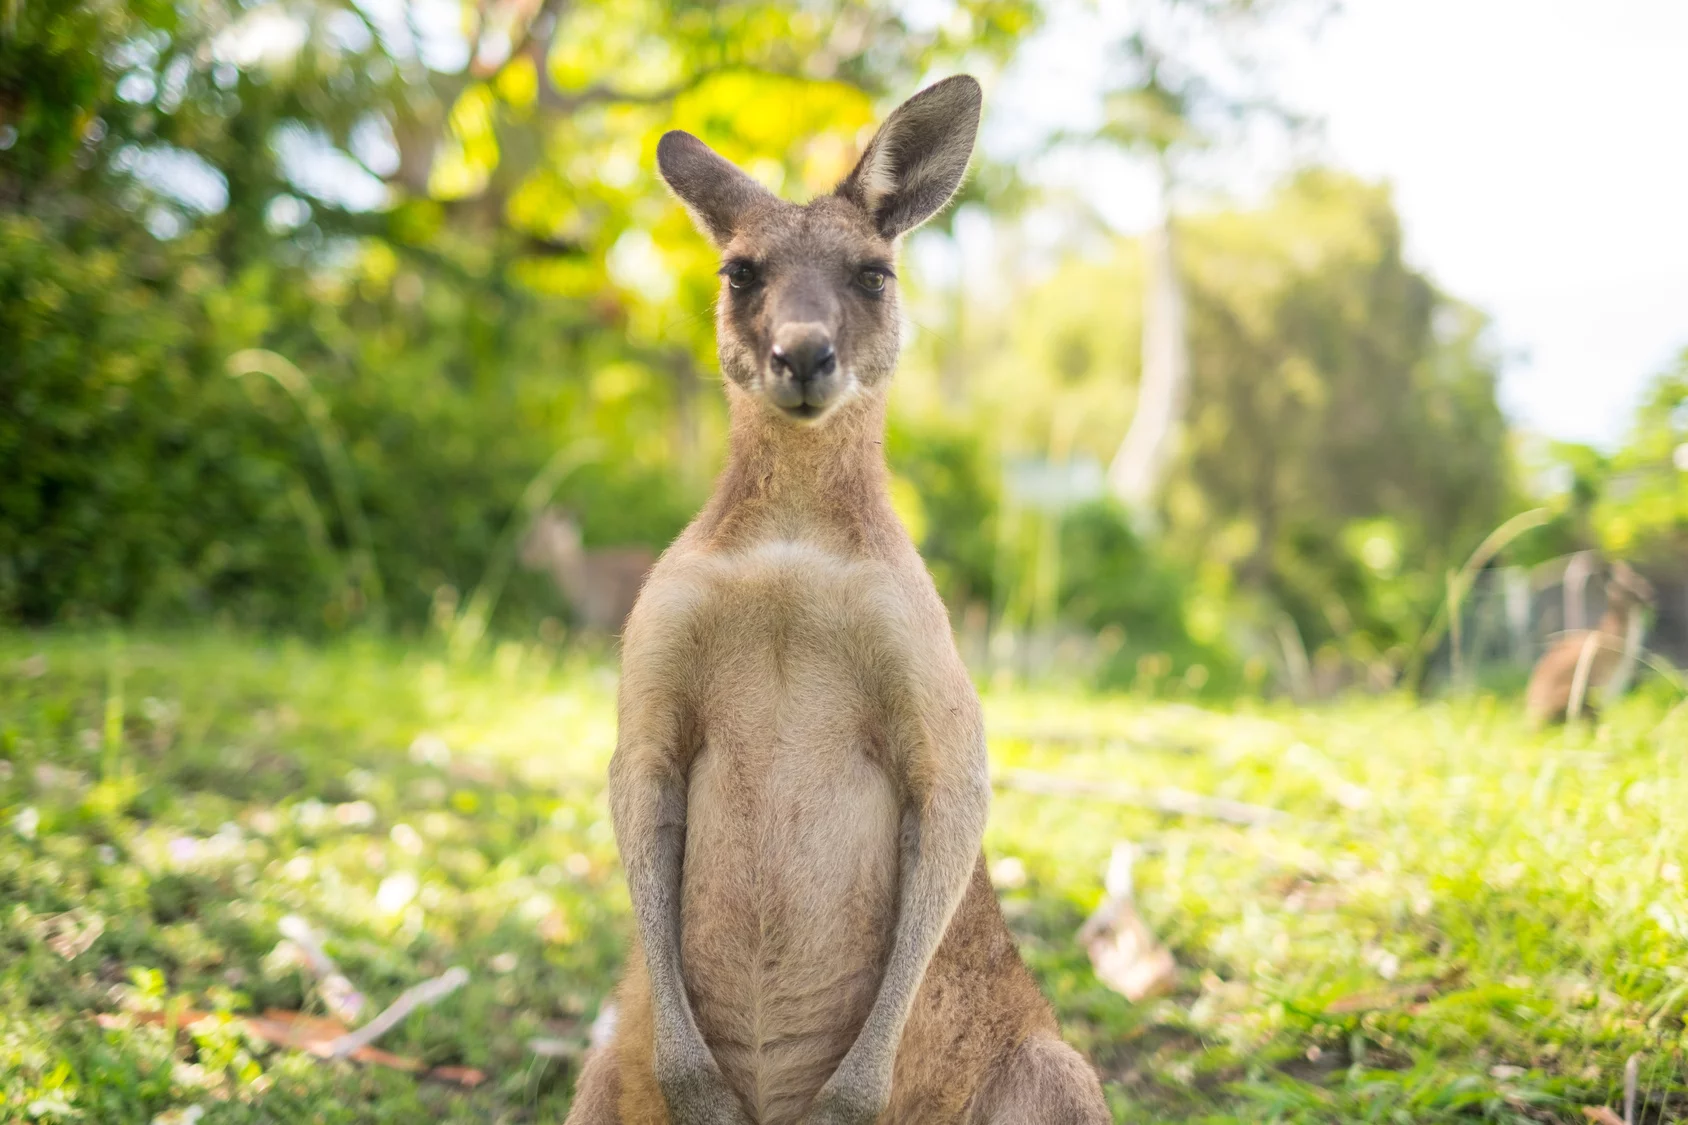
{"x":804,"y":411}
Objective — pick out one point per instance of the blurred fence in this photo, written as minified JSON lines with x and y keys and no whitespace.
{"x":1513,"y":613}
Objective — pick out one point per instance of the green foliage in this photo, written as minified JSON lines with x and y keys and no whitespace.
{"x":1459,"y":920}
{"x":948,"y":472}
{"x":1334,"y":387}
{"x":471,"y":264}
{"x":138,"y":478}
{"x":1642,"y":513}
{"x":1136,"y":601}
{"x":1342,"y":446}
{"x":1630,"y":503}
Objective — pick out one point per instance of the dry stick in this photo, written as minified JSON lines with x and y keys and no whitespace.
{"x":1632,"y":1075}
{"x":341,"y":996}
{"x":1166,"y":799}
{"x":428,"y":992}
{"x":1579,"y":678}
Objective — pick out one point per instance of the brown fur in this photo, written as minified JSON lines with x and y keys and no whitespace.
{"x":799,"y":786}
{"x":1547,"y":699}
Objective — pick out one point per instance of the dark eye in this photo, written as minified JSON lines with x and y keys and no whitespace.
{"x":740,"y":275}
{"x":872,"y":279}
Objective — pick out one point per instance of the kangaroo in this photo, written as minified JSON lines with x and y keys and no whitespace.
{"x":600,"y":585}
{"x":799,"y":784}
{"x":1553,"y":694}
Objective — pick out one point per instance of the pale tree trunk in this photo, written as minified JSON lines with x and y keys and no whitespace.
{"x":1139,"y":468}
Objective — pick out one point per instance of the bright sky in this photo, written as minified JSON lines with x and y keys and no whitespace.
{"x":1539,"y":155}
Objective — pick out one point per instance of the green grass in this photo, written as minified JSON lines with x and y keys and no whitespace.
{"x":1508,"y":909}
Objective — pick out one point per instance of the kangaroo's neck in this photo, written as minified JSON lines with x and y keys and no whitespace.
{"x":790,"y":481}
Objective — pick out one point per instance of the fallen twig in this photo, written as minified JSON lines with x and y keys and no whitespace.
{"x":1344,"y":792}
{"x":428,"y":992}
{"x":1632,"y":1078}
{"x":338,"y":993}
{"x":72,"y":934}
{"x":1165,"y":799}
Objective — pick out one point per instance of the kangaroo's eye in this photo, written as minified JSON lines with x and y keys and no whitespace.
{"x":872,"y":279}
{"x":740,"y":275}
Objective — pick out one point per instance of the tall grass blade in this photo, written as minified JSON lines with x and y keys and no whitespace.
{"x":261,"y":361}
{"x":1460,"y":583}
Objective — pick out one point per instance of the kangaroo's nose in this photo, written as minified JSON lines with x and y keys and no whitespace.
{"x":805,"y":352}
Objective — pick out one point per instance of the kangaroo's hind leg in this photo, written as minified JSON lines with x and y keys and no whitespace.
{"x":1041,"y":1082}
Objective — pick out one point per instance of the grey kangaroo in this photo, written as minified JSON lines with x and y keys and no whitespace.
{"x":799,"y":785}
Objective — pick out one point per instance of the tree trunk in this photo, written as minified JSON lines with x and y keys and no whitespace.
{"x":1139,"y":468}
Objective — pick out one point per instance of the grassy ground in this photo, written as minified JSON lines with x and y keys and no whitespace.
{"x":1460,"y":920}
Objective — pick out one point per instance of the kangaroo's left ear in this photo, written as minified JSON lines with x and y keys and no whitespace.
{"x":916,"y":160}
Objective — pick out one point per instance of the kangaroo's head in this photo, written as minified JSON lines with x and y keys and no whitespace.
{"x":1625,"y":588}
{"x":807,"y":317}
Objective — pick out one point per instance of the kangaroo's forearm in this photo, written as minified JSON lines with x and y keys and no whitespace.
{"x":648,"y":810}
{"x":940,"y":847}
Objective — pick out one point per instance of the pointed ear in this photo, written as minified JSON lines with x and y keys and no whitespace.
{"x":712,"y":188}
{"x":916,"y":160}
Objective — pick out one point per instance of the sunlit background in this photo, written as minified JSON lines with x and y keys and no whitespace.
{"x":1422,"y":272}
{"x":1287,"y":381}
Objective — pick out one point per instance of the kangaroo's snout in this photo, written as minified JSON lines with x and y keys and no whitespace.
{"x":803,"y":377}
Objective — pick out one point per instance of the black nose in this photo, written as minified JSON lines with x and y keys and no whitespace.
{"x":807,"y":358}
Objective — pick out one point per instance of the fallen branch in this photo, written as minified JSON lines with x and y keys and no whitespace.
{"x":338,"y":993}
{"x":1166,"y":799}
{"x":417,"y":996}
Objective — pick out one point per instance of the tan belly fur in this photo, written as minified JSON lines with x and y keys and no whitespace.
{"x":790,"y":870}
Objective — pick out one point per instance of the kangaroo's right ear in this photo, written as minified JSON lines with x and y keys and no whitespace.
{"x":716,"y":193}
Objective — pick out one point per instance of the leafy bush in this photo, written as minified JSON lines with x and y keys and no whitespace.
{"x":1129,"y":594}
{"x":144,"y":482}
{"x":138,"y":479}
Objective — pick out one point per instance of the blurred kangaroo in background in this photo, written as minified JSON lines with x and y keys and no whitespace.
{"x":799,"y":786}
{"x":600,"y":585}
{"x":1583,"y":659}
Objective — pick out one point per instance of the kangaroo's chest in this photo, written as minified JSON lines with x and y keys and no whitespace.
{"x":791,"y":860}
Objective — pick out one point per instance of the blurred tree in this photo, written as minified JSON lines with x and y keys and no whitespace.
{"x":1345,"y":437}
{"x":1191,"y":75}
{"x":1343,"y":445}
{"x":1630,"y":503}
{"x":449,"y":226}
{"x":1641,"y":513}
